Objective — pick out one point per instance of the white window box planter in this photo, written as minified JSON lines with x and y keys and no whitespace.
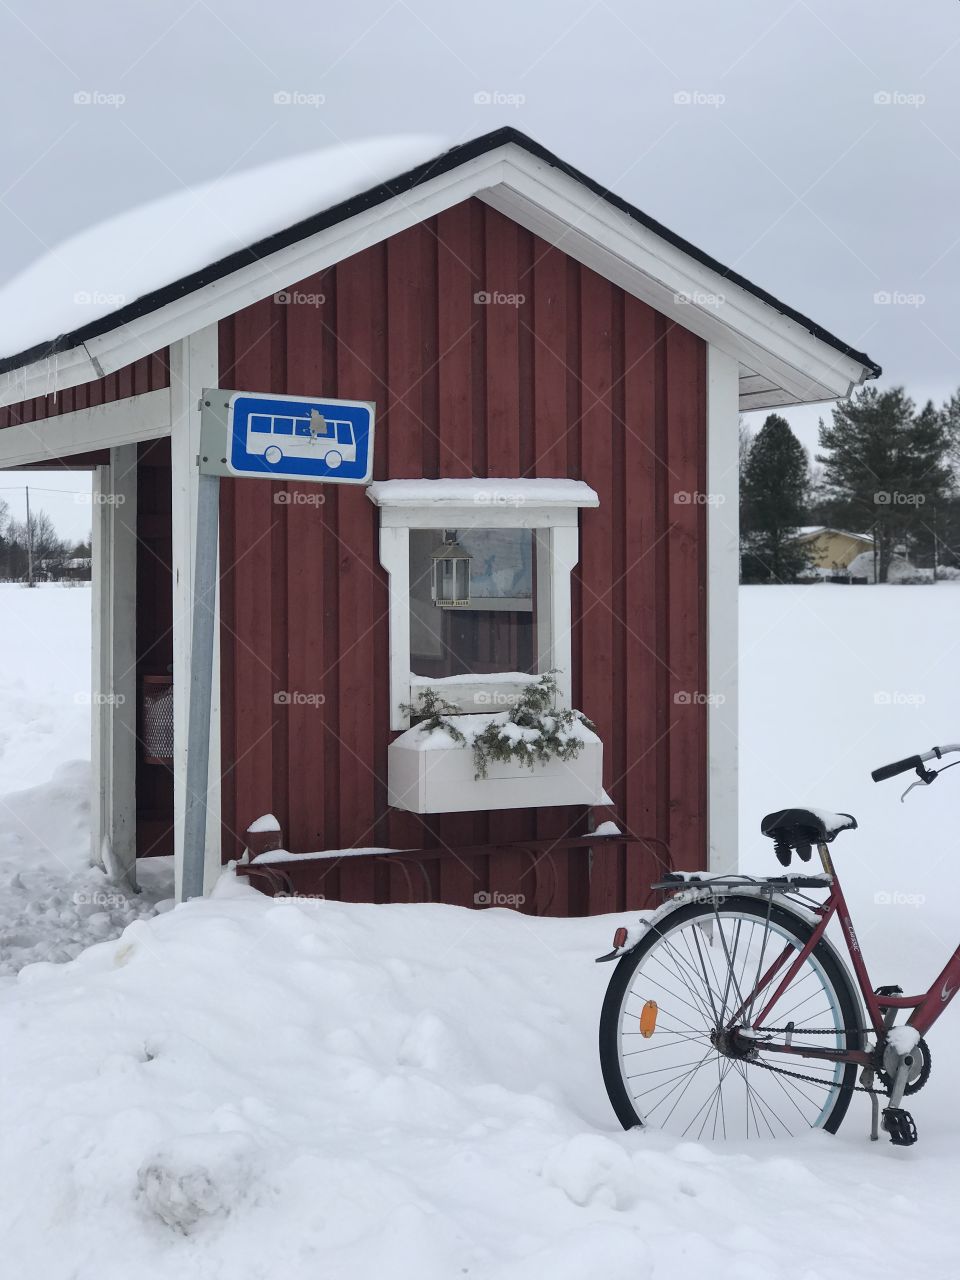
{"x":428,"y":772}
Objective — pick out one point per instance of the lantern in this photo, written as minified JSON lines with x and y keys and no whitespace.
{"x":450,"y":573}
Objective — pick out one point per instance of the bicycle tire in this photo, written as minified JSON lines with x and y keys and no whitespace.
{"x":782,"y":920}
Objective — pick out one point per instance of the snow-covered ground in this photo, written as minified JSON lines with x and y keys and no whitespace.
{"x":52,"y":902}
{"x":296,"y":1089}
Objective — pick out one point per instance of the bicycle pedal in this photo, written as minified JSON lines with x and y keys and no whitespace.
{"x":900,"y":1125}
{"x":889,"y":991}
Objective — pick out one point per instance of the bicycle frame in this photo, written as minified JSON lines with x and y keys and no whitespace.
{"x":927,"y":1007}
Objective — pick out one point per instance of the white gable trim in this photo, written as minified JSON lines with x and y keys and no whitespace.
{"x":563,"y":212}
{"x":798,"y":367}
{"x":203,"y":307}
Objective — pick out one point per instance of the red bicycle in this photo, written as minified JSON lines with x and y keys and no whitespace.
{"x":731,"y":1014}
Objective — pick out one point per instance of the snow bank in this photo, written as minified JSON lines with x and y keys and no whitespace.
{"x":109,"y":265}
{"x":899,"y":571}
{"x":304,"y":1089}
{"x":53,"y":904}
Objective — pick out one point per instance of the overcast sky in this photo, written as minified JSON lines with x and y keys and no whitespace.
{"x":819,"y":156}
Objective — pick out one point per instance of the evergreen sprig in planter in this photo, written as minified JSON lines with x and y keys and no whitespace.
{"x":534,"y":755}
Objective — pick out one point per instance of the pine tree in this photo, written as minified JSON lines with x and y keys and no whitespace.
{"x":774,"y":482}
{"x":885,"y":466}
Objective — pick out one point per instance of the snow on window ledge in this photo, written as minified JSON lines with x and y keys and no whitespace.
{"x":499,"y":491}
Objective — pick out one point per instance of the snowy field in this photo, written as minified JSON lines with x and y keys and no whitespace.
{"x":302,"y":1089}
{"x":52,"y":903}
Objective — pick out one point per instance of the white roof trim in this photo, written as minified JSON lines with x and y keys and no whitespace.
{"x":801,"y":367}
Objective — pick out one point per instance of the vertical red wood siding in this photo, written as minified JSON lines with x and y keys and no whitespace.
{"x":488,"y":352}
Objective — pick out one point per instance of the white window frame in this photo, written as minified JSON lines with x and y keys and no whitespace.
{"x":493,"y":504}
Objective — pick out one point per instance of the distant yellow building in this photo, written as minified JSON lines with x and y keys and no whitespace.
{"x":831,"y":550}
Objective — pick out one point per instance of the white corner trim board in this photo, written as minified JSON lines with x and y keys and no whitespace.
{"x":194,"y":364}
{"x":723,"y":577}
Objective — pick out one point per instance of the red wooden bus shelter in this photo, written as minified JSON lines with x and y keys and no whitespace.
{"x":513,"y":322}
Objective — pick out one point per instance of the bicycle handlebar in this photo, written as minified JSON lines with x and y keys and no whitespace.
{"x":912,"y":762}
{"x":899,"y":766}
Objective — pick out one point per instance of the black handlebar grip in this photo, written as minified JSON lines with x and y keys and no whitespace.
{"x":900,"y":766}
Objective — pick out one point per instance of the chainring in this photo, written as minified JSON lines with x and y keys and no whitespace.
{"x":917,"y":1083}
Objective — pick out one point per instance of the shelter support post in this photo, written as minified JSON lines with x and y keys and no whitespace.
{"x":114,"y":680}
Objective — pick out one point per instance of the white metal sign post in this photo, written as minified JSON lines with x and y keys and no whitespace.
{"x":264,"y":437}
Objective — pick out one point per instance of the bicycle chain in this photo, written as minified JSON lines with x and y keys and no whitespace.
{"x":799,"y":1075}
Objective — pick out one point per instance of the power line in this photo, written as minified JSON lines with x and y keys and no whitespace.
{"x":66,"y":493}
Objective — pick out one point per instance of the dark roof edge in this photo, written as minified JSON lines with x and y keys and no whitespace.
{"x":385,"y":191}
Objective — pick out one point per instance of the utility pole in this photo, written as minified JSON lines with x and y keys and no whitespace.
{"x":29,"y":541}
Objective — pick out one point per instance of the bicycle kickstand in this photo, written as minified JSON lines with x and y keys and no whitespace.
{"x":867,"y":1076}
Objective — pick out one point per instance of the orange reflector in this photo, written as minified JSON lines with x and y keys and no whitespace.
{"x":648,"y":1018}
{"x":620,"y":938}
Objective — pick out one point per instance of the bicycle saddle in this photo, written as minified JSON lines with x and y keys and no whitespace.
{"x":801,"y":829}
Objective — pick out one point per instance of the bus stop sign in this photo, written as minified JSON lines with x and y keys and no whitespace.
{"x":296,"y":438}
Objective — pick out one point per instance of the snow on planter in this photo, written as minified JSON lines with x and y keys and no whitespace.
{"x":431,"y":772}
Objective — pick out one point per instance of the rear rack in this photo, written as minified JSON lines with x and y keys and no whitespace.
{"x":732,"y":884}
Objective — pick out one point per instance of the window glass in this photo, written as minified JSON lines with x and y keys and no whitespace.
{"x":495,"y":630}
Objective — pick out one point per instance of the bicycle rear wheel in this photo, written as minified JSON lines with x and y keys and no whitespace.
{"x":703,"y":1071}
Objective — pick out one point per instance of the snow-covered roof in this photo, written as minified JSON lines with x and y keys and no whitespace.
{"x":153,"y":275}
{"x":496,"y":492}
{"x":106,"y":267}
{"x":807,"y":531}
